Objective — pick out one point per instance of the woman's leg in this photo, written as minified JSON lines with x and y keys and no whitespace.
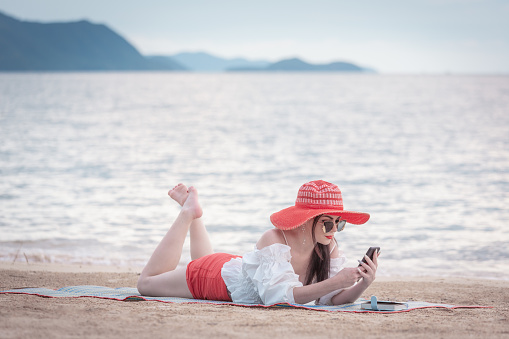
{"x":199,"y":237}
{"x":160,"y":276}
{"x":200,"y":242}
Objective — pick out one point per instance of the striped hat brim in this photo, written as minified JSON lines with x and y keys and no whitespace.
{"x":295,"y":216}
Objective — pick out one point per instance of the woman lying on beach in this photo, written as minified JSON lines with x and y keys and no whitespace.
{"x":296,"y":262}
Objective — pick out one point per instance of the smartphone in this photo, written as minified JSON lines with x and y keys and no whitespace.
{"x":370,"y":252}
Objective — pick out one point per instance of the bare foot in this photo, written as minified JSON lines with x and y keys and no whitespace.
{"x":179,"y":193}
{"x":192,"y":205}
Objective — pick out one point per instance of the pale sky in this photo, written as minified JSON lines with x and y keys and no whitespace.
{"x":391,"y":36}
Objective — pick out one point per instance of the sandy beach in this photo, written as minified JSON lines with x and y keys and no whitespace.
{"x":25,"y":316}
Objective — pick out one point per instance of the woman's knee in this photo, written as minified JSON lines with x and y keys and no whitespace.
{"x":143,"y":285}
{"x":168,"y":284}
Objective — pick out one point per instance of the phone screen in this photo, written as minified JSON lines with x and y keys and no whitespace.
{"x":370,"y":252}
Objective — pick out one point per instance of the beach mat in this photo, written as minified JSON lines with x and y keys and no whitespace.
{"x":131,"y":294}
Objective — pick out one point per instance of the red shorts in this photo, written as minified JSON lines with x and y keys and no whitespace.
{"x":204,"y":279}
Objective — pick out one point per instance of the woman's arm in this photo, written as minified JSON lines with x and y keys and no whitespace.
{"x":305,"y":294}
{"x":344,"y":279}
{"x":368,"y":276}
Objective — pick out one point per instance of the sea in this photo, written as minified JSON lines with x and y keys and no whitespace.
{"x":87,"y":159}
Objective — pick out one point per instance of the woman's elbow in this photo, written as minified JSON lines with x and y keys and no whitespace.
{"x":301,"y":298}
{"x":301,"y":301}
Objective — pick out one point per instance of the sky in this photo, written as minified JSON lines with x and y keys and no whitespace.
{"x":391,"y":36}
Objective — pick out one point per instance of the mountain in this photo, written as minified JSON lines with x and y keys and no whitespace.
{"x":165,"y":63}
{"x":201,"y":61}
{"x":297,"y":65}
{"x":76,"y":46}
{"x":85,"y":46}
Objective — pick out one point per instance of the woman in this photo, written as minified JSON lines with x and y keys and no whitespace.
{"x":296,"y":262}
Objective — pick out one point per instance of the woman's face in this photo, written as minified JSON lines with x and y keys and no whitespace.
{"x":322,"y":237}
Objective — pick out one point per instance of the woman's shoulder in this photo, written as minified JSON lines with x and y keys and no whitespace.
{"x":270,"y":237}
{"x":270,"y":248}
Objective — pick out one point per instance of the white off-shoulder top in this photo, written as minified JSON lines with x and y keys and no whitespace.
{"x":267,"y":277}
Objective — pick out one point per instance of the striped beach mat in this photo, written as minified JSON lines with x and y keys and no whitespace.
{"x":131,"y":294}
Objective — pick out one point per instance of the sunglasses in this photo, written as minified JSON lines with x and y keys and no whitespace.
{"x":329,"y":225}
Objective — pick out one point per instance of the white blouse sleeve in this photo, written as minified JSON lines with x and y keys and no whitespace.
{"x":272,"y":273}
{"x":336,"y":265}
{"x":266,"y":276}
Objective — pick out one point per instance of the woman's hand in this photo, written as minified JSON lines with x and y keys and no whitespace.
{"x":368,"y":270}
{"x":347,"y":277}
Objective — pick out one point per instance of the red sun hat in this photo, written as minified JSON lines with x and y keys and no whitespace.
{"x":315,"y":198}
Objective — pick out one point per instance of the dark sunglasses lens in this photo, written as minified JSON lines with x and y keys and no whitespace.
{"x":341,"y":225}
{"x":329,"y":225}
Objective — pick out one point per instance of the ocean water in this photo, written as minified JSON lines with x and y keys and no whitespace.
{"x":87,"y":159}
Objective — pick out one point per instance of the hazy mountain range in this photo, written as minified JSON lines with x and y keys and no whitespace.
{"x":202,"y":61}
{"x":85,"y":46}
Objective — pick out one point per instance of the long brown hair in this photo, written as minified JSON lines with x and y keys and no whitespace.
{"x":319,"y":264}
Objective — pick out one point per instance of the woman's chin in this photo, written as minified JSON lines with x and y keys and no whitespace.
{"x":325,"y":241}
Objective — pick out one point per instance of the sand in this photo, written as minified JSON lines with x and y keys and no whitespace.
{"x":25,"y":316}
